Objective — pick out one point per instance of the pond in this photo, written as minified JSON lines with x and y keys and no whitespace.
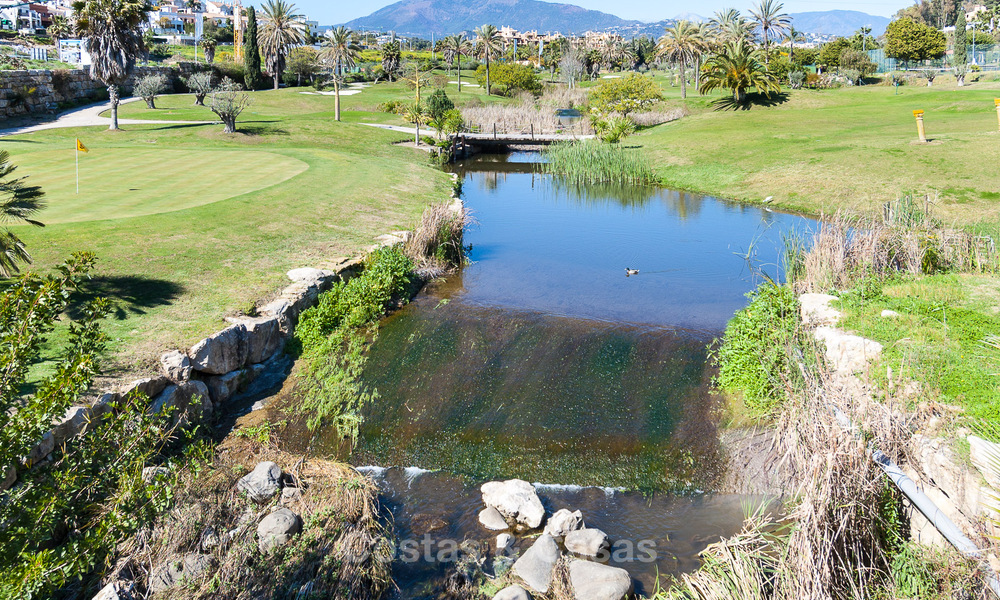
{"x":544,"y":360}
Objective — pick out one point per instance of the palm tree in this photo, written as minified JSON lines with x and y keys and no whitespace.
{"x":681,"y":43}
{"x":60,"y":29}
{"x":209,"y":45}
{"x":18,"y":204}
{"x":341,"y":51}
{"x":454,"y":47}
{"x":489,"y":45}
{"x":112,"y":36}
{"x":280,"y":30}
{"x":793,"y":35}
{"x":391,"y":58}
{"x":730,"y":26}
{"x":737,"y":68}
{"x":771,"y":20}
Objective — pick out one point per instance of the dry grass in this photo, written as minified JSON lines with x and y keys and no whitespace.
{"x":657,"y":117}
{"x":435,"y":245}
{"x":530,"y":114}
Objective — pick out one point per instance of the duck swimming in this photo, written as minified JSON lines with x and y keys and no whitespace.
{"x":629,"y":272}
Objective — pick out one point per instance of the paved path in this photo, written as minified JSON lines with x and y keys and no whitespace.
{"x":409,"y":130}
{"x":91,"y":116}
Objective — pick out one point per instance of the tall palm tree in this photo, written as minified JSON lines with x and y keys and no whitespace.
{"x":729,"y":26}
{"x":489,"y":46}
{"x":112,"y":36}
{"x":454,"y":47}
{"x":339,"y":50}
{"x":280,"y":30}
{"x":60,"y":29}
{"x":682,"y":43}
{"x":18,"y":204}
{"x":791,"y":36}
{"x":737,"y":68}
{"x":771,"y":20}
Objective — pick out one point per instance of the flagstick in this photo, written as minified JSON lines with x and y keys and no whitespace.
{"x":78,"y":166}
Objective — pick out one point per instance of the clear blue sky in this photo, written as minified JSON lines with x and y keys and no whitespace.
{"x":329,"y":12}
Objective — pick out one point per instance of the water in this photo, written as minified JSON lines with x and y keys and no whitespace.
{"x":542,"y":360}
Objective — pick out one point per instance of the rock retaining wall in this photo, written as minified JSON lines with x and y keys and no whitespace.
{"x":43,"y":91}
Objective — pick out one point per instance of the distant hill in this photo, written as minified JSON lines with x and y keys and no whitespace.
{"x":441,"y":17}
{"x":838,"y":22}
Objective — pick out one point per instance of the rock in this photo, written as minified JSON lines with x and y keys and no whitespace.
{"x":178,"y":570}
{"x":512,"y":592}
{"x":263,"y":338}
{"x":986,"y":457}
{"x":536,"y":564}
{"x":74,"y":421}
{"x":516,"y":500}
{"x":563,"y":522}
{"x":291,"y":494}
{"x":150,"y":386}
{"x":586,"y":542}
{"x":190,"y":399}
{"x":491,"y":519}
{"x":847,"y":353}
{"x":221,"y":352}
{"x":103,"y":405}
{"x":504,"y":541}
{"x":151,"y":474}
{"x":262,"y":483}
{"x":176,"y":365}
{"x":9,"y":477}
{"x":277,"y":528}
{"x":889,"y":313}
{"x":594,"y":581}
{"x":310,"y":275}
{"x":221,"y":388}
{"x":116,"y":590}
{"x":816,"y":309}
{"x":43,"y":449}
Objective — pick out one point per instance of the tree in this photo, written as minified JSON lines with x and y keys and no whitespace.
{"x":454,"y":47}
{"x":488,"y":46}
{"x":509,"y":78}
{"x":392,"y":58}
{"x":737,"y":68}
{"x":772,"y":22}
{"x":571,"y":67}
{"x":251,"y":53}
{"x":199,"y":84}
{"x":282,"y":29}
{"x":19,"y":203}
{"x":791,"y":36}
{"x":731,"y":26}
{"x":60,"y":29}
{"x":339,"y":51}
{"x":681,"y":43}
{"x":112,"y":36}
{"x":438,"y":105}
{"x":907,"y":40}
{"x":303,"y":62}
{"x":631,"y":93}
{"x":829,"y":54}
{"x":149,"y":87}
{"x":960,"y":57}
{"x":209,"y":45}
{"x":857,"y":61}
{"x":228,"y":101}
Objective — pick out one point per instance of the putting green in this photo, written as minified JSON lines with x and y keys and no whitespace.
{"x":117,"y":183}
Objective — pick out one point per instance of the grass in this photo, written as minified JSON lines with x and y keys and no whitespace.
{"x":597,"y":162}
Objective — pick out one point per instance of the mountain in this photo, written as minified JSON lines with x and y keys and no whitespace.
{"x":689,"y":16}
{"x":441,"y":17}
{"x":838,"y":22}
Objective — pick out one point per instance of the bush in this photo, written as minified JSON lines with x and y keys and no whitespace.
{"x":232,"y":70}
{"x":438,"y":104}
{"x":856,"y":60}
{"x":396,"y":107}
{"x":614,"y":128}
{"x":796,"y":79}
{"x":160,"y":51}
{"x":508,"y":79}
{"x":753,"y":357}
{"x":148,"y":87}
{"x":630,"y":93}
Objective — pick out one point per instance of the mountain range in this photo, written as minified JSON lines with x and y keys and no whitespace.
{"x":442,"y":17}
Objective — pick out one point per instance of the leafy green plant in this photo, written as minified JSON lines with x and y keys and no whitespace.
{"x":509,"y":78}
{"x":614,"y":128}
{"x":631,"y":93}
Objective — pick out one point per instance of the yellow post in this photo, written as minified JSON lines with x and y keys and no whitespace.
{"x":996,"y":101}
{"x":919,"y":114}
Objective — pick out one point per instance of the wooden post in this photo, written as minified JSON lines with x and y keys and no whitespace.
{"x":919,"y":114}
{"x":494,"y":131}
{"x":532,"y":131}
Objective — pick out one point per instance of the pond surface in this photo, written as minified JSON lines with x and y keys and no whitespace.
{"x":542,"y":360}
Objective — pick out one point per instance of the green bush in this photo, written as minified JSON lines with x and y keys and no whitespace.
{"x":438,"y":104}
{"x":753,"y":356}
{"x":630,"y":93}
{"x":508,"y":79}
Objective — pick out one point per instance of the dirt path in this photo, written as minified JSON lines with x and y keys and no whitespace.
{"x":89,"y":116}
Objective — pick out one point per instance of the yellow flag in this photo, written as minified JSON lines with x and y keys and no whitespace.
{"x":80,"y":147}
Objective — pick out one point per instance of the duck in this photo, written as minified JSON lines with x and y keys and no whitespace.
{"x":629,"y":272}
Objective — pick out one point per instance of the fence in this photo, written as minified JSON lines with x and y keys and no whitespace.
{"x":987,"y":57}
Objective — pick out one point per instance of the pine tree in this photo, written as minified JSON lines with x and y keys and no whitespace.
{"x":251,"y":53}
{"x":960,"y":57}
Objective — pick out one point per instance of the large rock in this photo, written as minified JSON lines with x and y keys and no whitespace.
{"x":178,"y":570}
{"x":149,"y":386}
{"x":594,"y":581}
{"x":73,"y":423}
{"x":277,"y":528}
{"x":263,"y":338}
{"x":104,"y":404}
{"x":586,"y":542}
{"x":262,"y":483}
{"x":516,"y":500}
{"x":176,"y":365}
{"x":816,"y":309}
{"x":42,"y":449}
{"x":9,"y":477}
{"x":491,"y":519}
{"x":310,"y":275}
{"x":847,"y":353}
{"x":116,"y":590}
{"x":222,"y":388}
{"x":191,"y":401}
{"x":536,"y":564}
{"x":563,"y":522}
{"x":512,"y":592}
{"x":221,"y":352}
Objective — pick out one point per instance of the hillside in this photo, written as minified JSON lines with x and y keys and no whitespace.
{"x":838,"y":22}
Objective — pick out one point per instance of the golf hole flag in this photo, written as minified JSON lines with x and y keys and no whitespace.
{"x":79,"y":148}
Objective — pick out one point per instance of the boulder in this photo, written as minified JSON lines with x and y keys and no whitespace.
{"x":263,"y":338}
{"x":504,"y":541}
{"x":816,"y":309}
{"x":178,"y":570}
{"x":176,"y":365}
{"x":9,"y":477}
{"x":563,"y":522}
{"x":845,"y":352}
{"x":221,"y":388}
{"x":262,"y":483}
{"x":190,"y":399}
{"x":149,"y":386}
{"x":311,"y":275}
{"x":116,"y":590}
{"x":536,"y":564}
{"x":586,"y":542}
{"x":594,"y":581}
{"x":512,"y":592}
{"x":221,"y":352}
{"x":516,"y":500}
{"x":73,"y":422}
{"x":103,"y":405}
{"x":43,"y":449}
{"x":277,"y":528}
{"x":491,"y":519}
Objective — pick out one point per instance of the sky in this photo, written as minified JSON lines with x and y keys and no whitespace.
{"x":330,"y":12}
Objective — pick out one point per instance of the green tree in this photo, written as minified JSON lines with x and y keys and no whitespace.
{"x":907,"y":40}
{"x":729,"y":25}
{"x":251,"y":52}
{"x":631,"y":93}
{"x":829,"y":54}
{"x":455,"y":47}
{"x":737,"y":68}
{"x":437,"y":104}
{"x":208,"y":45}
{"x":509,"y":78}
{"x":488,"y":46}
{"x":199,"y":84}
{"x":281,"y":30}
{"x":60,"y":29}
{"x":791,"y":36}
{"x":682,"y":43}
{"x":960,"y":57}
{"x":149,"y":87}
{"x":856,"y":60}
{"x":303,"y":62}
{"x":392,"y":59}
{"x":111,"y":30}
{"x":19,"y":203}
{"x":339,"y":51}
{"x":771,"y":20}
{"x":227,"y":102}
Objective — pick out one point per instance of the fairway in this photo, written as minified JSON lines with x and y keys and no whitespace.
{"x":118,"y":183}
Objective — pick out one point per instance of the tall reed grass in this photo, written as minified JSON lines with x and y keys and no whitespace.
{"x":597,"y":162}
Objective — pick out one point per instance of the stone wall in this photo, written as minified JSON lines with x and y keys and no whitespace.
{"x":42,"y":91}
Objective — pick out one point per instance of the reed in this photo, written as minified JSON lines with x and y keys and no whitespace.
{"x":596,"y":162}
{"x":435,"y":245}
{"x":657,"y":117}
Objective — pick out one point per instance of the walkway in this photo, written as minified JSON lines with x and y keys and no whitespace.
{"x":90,"y":116}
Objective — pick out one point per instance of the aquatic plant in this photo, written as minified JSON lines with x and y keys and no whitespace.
{"x":596,"y":162}
{"x":435,"y":245}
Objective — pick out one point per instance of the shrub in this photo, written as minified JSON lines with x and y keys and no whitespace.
{"x":232,"y":70}
{"x":796,"y":79}
{"x":855,"y":60}
{"x":160,"y":51}
{"x":395,"y":107}
{"x":438,"y":104}
{"x":614,"y":128}
{"x":199,"y":84}
{"x":630,"y":93}
{"x":508,"y":79}
{"x":148,"y":87}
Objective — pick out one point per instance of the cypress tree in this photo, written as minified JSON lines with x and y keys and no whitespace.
{"x":251,"y":52}
{"x":960,"y":57}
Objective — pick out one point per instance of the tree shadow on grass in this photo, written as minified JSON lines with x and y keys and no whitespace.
{"x":128,"y":294}
{"x":260,"y":128}
{"x":754,"y":99}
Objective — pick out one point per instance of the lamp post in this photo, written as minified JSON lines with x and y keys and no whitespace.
{"x":919,"y":114}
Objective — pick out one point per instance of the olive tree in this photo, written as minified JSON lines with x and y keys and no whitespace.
{"x":199,"y":84}
{"x":149,"y":87}
{"x":228,"y":101}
